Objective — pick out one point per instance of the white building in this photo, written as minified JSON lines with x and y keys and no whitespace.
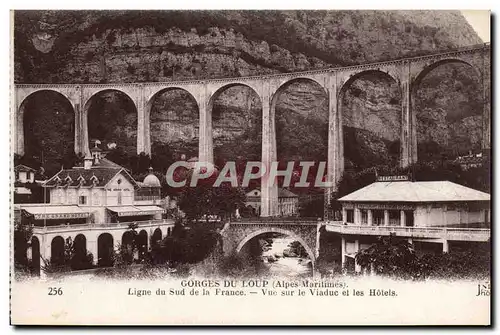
{"x":24,"y":174}
{"x":424,"y":212}
{"x":288,"y":202}
{"x":95,"y":204}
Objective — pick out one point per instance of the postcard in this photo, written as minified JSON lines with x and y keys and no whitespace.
{"x":250,"y":167}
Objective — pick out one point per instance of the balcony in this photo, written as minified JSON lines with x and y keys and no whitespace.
{"x":449,"y":234}
{"x":99,"y":226}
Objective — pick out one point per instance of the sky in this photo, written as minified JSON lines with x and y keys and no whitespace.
{"x":480,"y":21}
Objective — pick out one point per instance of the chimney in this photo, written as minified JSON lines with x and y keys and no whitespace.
{"x":87,"y":162}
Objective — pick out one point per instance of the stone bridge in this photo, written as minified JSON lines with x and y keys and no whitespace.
{"x":407,"y":72}
{"x":236,"y":234}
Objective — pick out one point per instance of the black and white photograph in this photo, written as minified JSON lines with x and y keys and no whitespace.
{"x":271,"y":167}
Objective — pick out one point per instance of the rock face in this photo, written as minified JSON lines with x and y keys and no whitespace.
{"x":118,"y":46}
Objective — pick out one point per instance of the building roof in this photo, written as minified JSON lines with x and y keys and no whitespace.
{"x":23,"y":168}
{"x":106,"y":163}
{"x":151,"y":181}
{"x":284,"y":193}
{"x":420,"y":191}
{"x":80,"y":177}
{"x":135,"y":210}
{"x":95,"y":149}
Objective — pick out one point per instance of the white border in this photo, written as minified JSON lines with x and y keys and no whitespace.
{"x":144,"y":4}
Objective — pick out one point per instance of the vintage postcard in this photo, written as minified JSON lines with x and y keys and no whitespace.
{"x":265,"y":167}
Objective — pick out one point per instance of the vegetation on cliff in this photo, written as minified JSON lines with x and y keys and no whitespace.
{"x":135,"y":46}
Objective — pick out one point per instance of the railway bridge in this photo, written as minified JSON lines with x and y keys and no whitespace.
{"x":406,"y":72}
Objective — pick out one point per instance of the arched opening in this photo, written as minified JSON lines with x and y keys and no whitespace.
{"x":156,"y":238}
{"x":80,"y":259}
{"x":35,"y":255}
{"x":142,"y":244}
{"x":448,"y":103}
{"x":128,"y":245}
{"x":174,"y":127}
{"x":105,"y":250}
{"x":57,"y":251}
{"x":370,"y":104}
{"x":236,"y":114}
{"x":48,"y":122}
{"x":112,"y":120}
{"x":276,"y":254}
{"x":300,"y":109}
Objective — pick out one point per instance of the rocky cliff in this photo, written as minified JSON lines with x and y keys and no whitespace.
{"x":119,"y":46}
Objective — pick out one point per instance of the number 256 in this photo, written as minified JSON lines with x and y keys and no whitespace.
{"x":55,"y":291}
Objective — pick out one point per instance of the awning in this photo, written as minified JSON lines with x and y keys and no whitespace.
{"x":135,"y":210}
{"x":56,"y":212}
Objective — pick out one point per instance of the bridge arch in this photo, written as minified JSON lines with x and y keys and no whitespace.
{"x":355,"y":106}
{"x":230,"y":128}
{"x":38,"y":90}
{"x":151,"y":99}
{"x":357,"y":75}
{"x":291,"y":81}
{"x":221,"y":89}
{"x":440,"y":114}
{"x":93,"y":114}
{"x":428,"y":68}
{"x":175,"y":129}
{"x":29,"y":136}
{"x":313,"y":115}
{"x":285,"y":232}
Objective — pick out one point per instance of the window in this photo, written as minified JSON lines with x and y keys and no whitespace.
{"x":350,"y":216}
{"x":82,"y":200}
{"x":119,"y":198}
{"x":364,"y":216}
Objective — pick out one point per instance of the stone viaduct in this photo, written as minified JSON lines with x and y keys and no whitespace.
{"x":407,"y":72}
{"x":306,"y":232}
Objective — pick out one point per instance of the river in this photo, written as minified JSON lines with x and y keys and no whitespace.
{"x":286,"y":267}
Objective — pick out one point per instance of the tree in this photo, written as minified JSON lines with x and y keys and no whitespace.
{"x":23,"y":231}
{"x":204,"y":201}
{"x":120,"y":157}
{"x":72,"y":260}
{"x":161,"y":156}
{"x":143,"y":163}
{"x":187,"y":245}
{"x":298,"y":249}
{"x":390,"y":256}
{"x":126,"y":252}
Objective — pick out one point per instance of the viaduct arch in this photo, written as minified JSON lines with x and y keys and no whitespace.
{"x":237,"y":234}
{"x":407,"y":72}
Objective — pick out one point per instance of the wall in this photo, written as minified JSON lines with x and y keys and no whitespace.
{"x":113,"y":189}
{"x":427,"y":216}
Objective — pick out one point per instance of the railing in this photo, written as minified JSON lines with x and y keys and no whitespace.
{"x":99,"y":226}
{"x":278,"y":220}
{"x":457,"y":234}
{"x":146,"y":198}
